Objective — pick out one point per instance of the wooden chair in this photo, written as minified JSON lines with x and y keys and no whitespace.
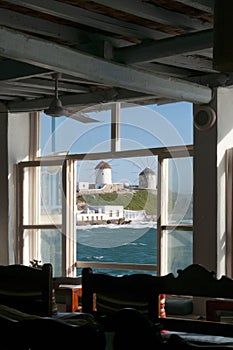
{"x":134,"y":331}
{"x":104,"y":294}
{"x":24,"y":331}
{"x":26,"y":288}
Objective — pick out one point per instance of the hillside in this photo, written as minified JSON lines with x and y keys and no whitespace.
{"x":142,"y":200}
{"x":137,"y":200}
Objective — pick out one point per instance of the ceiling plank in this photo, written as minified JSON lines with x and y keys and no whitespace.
{"x":155,"y":13}
{"x":76,"y":80}
{"x":15,"y":89}
{"x":48,"y":55}
{"x":214,"y":79}
{"x":18,"y":94}
{"x":203,"y":5}
{"x":92,"y":19}
{"x":80,"y":101}
{"x":13,"y":70}
{"x":165,"y":69}
{"x":41,"y":26}
{"x":61,"y":32}
{"x":6,"y":97}
{"x":47,"y":85}
{"x":168,"y":47}
{"x":197,"y":63}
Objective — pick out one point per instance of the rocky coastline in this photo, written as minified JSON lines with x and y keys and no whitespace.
{"x":121,"y":221}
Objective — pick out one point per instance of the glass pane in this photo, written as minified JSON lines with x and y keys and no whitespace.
{"x":124,"y":175}
{"x":46,"y":208}
{"x":134,"y":243}
{"x":45,"y":246}
{"x":179,"y":183}
{"x":51,"y":249}
{"x":117,"y":211}
{"x":156,"y":126}
{"x":68,"y":136}
{"x":179,"y":249}
{"x":140,"y":127}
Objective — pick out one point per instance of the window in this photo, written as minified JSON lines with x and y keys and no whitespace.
{"x":124,"y":234}
{"x":128,"y":216}
{"x":176,"y":212}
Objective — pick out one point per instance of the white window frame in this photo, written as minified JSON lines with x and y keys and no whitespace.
{"x":68,"y":225}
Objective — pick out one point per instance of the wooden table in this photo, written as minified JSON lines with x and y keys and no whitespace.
{"x":71,"y":293}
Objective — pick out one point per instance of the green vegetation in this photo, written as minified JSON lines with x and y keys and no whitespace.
{"x":137,"y":200}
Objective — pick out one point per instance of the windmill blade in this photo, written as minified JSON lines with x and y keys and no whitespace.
{"x":81,"y":117}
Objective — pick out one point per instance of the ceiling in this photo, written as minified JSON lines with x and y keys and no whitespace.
{"x":140,"y":51}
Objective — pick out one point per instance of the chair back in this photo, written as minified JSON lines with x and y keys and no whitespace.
{"x":27,"y":289}
{"x":104,"y":294}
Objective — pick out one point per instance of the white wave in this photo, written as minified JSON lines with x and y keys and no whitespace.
{"x":137,"y":244}
{"x":90,"y":227}
{"x":143,"y":224}
{"x":99,"y":257}
{"x":133,"y":224}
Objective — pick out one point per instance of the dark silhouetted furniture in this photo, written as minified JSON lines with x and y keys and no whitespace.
{"x":27,"y":320}
{"x":27,"y":288}
{"x":103,"y":295}
{"x":176,"y":342}
{"x":133,"y":331}
{"x":196,"y":281}
{"x":24,"y":331}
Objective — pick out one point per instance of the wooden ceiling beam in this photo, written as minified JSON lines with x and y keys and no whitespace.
{"x":28,"y":49}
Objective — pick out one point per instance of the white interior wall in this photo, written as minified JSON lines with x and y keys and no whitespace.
{"x":18,"y":150}
{"x":224,"y":141}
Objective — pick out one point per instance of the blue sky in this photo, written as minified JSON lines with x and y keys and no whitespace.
{"x":142,"y":127}
{"x":180,"y":115}
{"x":72,"y":136}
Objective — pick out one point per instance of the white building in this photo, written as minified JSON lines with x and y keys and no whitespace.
{"x":135,"y":215}
{"x":103,"y":175}
{"x":83,"y":185}
{"x":109,"y":212}
{"x":147,"y":179}
{"x":101,"y":213}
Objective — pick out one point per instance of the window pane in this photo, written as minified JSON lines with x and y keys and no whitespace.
{"x":117,"y":211}
{"x":123,"y":174}
{"x":46,"y":207}
{"x":45,"y":246}
{"x":135,"y":244}
{"x":156,"y":126}
{"x":69,"y":136}
{"x":51,"y":249}
{"x":140,"y":127}
{"x":179,"y":183}
{"x":179,"y":249}
{"x":51,"y":194}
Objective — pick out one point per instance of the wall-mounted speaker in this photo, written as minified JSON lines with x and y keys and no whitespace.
{"x":204,"y":117}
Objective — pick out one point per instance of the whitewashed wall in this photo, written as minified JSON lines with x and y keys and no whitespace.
{"x":224,"y":142}
{"x":18,"y":150}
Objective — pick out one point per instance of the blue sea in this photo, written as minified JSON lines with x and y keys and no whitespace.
{"x":131,"y":243}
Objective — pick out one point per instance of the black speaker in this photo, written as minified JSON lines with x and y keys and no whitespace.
{"x":204,"y":117}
